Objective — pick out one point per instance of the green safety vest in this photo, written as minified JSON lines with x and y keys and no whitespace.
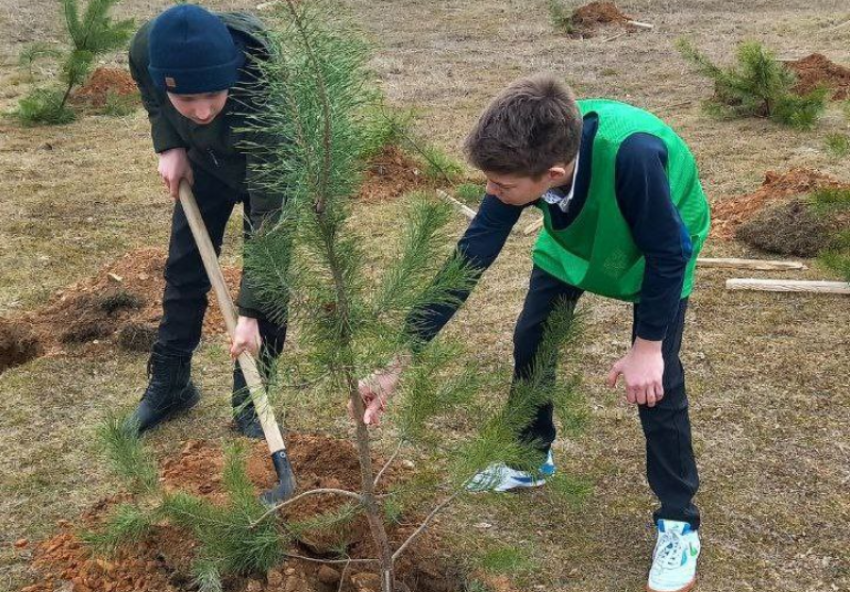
{"x":597,"y":252}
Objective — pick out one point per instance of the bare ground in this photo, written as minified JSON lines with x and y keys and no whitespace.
{"x":767,"y":373}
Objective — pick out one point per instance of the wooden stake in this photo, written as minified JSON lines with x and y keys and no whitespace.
{"x":464,"y":209}
{"x":612,"y":37}
{"x":812,"y":287}
{"x":761,"y":264}
{"x":641,"y":25}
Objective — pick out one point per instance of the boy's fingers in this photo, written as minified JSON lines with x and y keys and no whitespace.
{"x":612,"y":377}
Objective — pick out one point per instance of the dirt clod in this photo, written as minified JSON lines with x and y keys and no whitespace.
{"x":103,"y":310}
{"x":104,"y":82}
{"x":328,"y":575}
{"x":791,"y":228}
{"x":729,"y":214}
{"x":137,"y":337}
{"x":817,"y":70}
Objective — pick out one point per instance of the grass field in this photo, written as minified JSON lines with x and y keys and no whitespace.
{"x":770,"y":402}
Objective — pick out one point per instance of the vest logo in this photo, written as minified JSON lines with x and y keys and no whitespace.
{"x":170,"y":82}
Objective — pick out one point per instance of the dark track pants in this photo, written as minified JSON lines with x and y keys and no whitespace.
{"x":670,"y":465}
{"x":186,"y":284}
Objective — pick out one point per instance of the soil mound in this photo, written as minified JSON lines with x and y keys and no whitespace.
{"x":104,"y":82}
{"x":121,"y":304}
{"x":599,"y":13}
{"x":730,"y":213}
{"x":391,"y":174}
{"x":586,"y":21}
{"x":790,"y":228}
{"x":161,"y":561}
{"x":817,"y":70}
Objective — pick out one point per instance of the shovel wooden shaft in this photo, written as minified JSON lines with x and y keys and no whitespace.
{"x":271,"y":430}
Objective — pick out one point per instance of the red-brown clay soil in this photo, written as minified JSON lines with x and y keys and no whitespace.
{"x":160,"y":562}
{"x":120,"y":304}
{"x":817,"y":70}
{"x":391,"y":174}
{"x":587,"y":20}
{"x":730,"y":213}
{"x":102,"y":83}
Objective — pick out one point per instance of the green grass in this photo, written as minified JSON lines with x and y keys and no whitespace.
{"x":508,"y":560}
{"x":470,"y":193}
{"x":827,"y":199}
{"x":120,"y":105}
{"x":838,"y":145}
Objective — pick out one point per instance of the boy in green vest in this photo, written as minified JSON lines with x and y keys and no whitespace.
{"x":625,"y":217}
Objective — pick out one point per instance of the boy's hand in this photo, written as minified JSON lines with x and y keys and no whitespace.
{"x":173,"y":166}
{"x":246,"y":337}
{"x":375,"y":390}
{"x":642,"y":369}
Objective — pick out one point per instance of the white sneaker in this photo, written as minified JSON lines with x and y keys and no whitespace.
{"x":499,"y":477}
{"x":674,"y":561}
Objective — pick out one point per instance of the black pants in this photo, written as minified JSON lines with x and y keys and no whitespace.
{"x":670,"y":465}
{"x":186,"y":283}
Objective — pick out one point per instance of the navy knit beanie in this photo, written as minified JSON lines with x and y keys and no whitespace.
{"x":192,"y":51}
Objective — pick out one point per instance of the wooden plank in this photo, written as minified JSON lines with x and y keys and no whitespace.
{"x":760,"y":264}
{"x":813,"y":287}
{"x":462,"y":207}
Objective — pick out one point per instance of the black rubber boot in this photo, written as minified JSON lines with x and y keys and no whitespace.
{"x":244,"y":414}
{"x":169,"y":391}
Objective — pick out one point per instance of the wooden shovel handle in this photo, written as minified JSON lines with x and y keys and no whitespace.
{"x":274,"y":439}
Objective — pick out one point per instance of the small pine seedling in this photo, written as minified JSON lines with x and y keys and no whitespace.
{"x":757,"y":86}
{"x":561,"y":15}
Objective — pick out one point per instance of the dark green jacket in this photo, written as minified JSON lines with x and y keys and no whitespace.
{"x":218,"y":147}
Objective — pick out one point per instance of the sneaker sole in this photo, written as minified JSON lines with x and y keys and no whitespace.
{"x":685,"y":588}
{"x":512,"y":487}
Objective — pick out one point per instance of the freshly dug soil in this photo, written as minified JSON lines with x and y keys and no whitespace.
{"x":588,"y":19}
{"x":391,"y":174}
{"x":817,"y":70}
{"x":729,"y":214}
{"x":18,"y":344}
{"x":121,"y":304}
{"x":790,"y":228}
{"x":161,"y":561}
{"x":102,"y":83}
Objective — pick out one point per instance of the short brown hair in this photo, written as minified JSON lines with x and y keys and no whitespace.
{"x":529,"y":127}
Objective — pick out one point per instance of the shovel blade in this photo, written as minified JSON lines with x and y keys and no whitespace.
{"x":285,"y":487}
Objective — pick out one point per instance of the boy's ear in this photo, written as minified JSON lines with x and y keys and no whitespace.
{"x":556,"y":172}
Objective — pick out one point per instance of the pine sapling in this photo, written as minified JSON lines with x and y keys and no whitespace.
{"x":309,"y":268}
{"x":91,"y":34}
{"x":758,"y":85}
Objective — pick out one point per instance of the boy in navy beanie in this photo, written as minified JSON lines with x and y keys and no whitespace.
{"x":191,"y":67}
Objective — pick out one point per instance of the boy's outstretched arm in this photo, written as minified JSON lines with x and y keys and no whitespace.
{"x":643,"y":194}
{"x":479,"y":247}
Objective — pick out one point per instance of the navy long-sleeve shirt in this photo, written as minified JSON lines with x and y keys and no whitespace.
{"x":643,"y":195}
